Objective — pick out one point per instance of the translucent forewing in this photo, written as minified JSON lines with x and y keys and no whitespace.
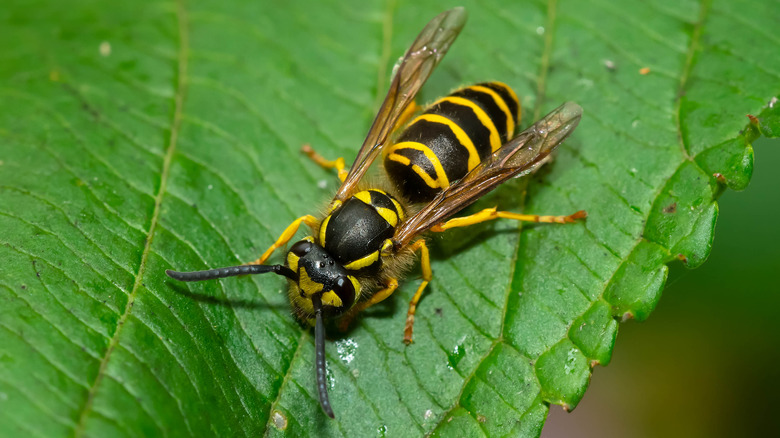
{"x":414,"y":69}
{"x":518,"y":157}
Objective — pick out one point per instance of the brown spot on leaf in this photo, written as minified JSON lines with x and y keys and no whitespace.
{"x":671,"y":208}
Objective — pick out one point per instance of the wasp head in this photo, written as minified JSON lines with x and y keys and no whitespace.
{"x":318,"y":274}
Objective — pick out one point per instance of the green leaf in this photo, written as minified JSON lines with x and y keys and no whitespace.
{"x":145,"y":136}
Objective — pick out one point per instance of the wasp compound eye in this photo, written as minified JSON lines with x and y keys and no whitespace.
{"x":345,"y":290}
{"x":301,"y":248}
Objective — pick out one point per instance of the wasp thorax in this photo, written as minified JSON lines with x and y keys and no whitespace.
{"x":319,"y":274}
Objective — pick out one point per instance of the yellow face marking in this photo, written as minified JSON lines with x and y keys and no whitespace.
{"x":495,"y":140}
{"x":510,"y":122}
{"x":460,"y":134}
{"x":388,"y":214}
{"x":363,"y":262}
{"x":512,"y":95}
{"x":300,"y":303}
{"x":323,"y":229}
{"x":441,"y":176}
{"x":331,"y":299}
{"x":399,"y":209}
{"x":306,"y":284}
{"x":292,"y":261}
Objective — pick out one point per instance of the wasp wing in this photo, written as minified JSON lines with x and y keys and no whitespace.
{"x":518,"y":157}
{"x":413,"y":70}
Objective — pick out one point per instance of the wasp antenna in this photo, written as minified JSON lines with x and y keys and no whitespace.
{"x":231,"y":271}
{"x":319,"y":357}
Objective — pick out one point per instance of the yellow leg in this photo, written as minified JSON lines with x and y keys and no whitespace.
{"x":491,"y":213}
{"x":378,"y":297}
{"x":427,"y":275}
{"x":338,"y":163}
{"x":287,"y":234}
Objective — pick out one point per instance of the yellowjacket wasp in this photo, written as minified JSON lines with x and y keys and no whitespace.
{"x":459,"y":148}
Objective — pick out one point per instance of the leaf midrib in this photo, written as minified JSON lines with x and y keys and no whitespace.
{"x":181,"y":88}
{"x":544,"y":66}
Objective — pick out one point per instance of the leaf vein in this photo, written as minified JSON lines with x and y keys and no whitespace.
{"x":174,"y":132}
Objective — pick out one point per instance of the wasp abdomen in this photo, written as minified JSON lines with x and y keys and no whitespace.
{"x":450,"y":138}
{"x":355,"y":231}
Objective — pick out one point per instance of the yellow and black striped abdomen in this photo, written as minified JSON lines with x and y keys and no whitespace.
{"x":450,"y":138}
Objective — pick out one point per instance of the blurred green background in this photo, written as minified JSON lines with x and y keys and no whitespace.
{"x":705,"y":364}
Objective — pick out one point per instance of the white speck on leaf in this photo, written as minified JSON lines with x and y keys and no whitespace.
{"x":428,"y":414}
{"x":540,"y":30}
{"x":346,"y":349}
{"x":585,"y":82}
{"x":322,"y":183}
{"x":210,"y":187}
{"x":105,"y":48}
{"x":330,"y":377}
{"x":570,"y":359}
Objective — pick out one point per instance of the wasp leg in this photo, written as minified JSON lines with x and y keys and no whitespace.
{"x":287,"y":234}
{"x":338,"y":163}
{"x":378,"y":297}
{"x":491,"y":213}
{"x":427,"y":275}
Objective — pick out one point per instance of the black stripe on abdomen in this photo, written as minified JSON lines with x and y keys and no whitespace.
{"x":508,"y":96}
{"x":464,"y":117}
{"x":491,"y":108}
{"x":452,"y":155}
